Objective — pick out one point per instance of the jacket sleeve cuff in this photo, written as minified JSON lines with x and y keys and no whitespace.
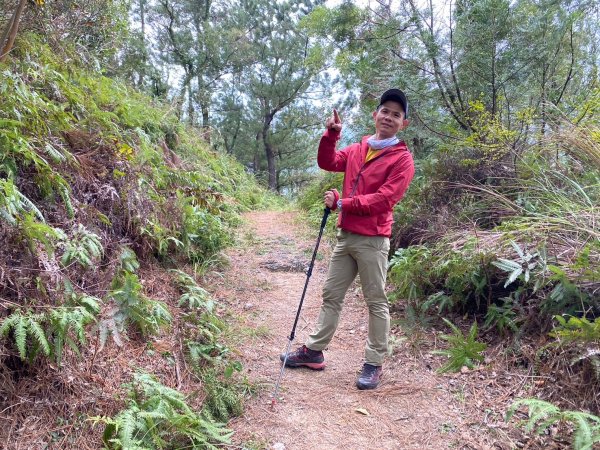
{"x":346,"y":203}
{"x":332,"y":134}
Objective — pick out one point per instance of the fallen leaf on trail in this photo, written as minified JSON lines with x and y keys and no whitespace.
{"x":362,"y":411}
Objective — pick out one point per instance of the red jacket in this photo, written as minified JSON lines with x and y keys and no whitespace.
{"x":370,"y":190}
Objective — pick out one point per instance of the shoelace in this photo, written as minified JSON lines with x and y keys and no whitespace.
{"x":369,"y":370}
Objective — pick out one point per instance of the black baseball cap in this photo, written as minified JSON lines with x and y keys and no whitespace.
{"x":395,"y":95}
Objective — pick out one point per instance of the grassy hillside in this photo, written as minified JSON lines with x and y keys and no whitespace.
{"x":101,"y":190}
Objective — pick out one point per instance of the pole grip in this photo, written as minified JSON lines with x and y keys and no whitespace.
{"x":325,"y":215}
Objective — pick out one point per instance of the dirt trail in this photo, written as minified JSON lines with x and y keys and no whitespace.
{"x":414,"y":408}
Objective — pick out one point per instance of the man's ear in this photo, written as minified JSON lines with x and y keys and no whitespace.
{"x":405,"y":123}
{"x":374,"y":113}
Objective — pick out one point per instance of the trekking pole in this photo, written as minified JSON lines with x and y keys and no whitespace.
{"x":293,"y":333}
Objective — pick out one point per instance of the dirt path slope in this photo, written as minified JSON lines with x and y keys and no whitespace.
{"x":413,"y":409}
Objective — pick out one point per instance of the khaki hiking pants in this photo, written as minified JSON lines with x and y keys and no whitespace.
{"x":367,"y":256}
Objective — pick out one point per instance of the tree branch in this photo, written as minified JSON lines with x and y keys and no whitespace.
{"x":11,"y":30}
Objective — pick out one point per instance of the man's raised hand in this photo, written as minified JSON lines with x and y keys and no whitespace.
{"x":334,"y":123}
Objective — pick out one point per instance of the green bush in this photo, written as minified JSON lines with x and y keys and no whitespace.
{"x":441,"y":277}
{"x":110,"y":165}
{"x":577,"y":329}
{"x":193,"y":296}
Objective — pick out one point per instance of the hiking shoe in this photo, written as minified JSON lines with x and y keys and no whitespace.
{"x":370,"y":377}
{"x":304,"y":357}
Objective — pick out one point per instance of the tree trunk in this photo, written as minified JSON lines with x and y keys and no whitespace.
{"x":270,"y":164}
{"x":143,"y":19}
{"x":205,"y":121}
{"x":190,"y":105}
{"x":142,"y":71}
{"x":10,"y":33}
{"x":203,"y":99}
{"x":263,"y":137}
{"x":256,"y":163}
{"x":543,"y":106}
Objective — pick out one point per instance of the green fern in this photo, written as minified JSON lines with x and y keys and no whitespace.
{"x":128,"y":261}
{"x":543,"y":415}
{"x":193,"y":295}
{"x":222,"y":400}
{"x":202,"y":353}
{"x":159,"y":417}
{"x":90,"y":303}
{"x":503,"y":316}
{"x":65,"y":195}
{"x":463,"y":350}
{"x":202,"y":341}
{"x":183,"y":279}
{"x":39,"y":233}
{"x":580,"y":335}
{"x":64,"y":321}
{"x":35,"y":330}
{"x":49,"y":331}
{"x":440,"y":300}
{"x":13,"y":204}
{"x":132,"y":307}
{"x":577,"y":329}
{"x":83,"y":248}
{"x":24,"y":326}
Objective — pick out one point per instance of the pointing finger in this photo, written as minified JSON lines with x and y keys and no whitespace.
{"x":336,"y":117}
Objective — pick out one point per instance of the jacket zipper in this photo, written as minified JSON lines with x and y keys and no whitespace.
{"x":356,"y":182}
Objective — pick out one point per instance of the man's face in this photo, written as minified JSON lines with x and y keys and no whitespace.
{"x":389,"y":119}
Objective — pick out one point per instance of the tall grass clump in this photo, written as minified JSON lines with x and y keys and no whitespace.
{"x":541,"y":254}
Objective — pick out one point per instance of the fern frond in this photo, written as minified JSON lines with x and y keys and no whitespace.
{"x":103,"y":332}
{"x":462,"y":351}
{"x":160,"y":312}
{"x":20,"y":330}
{"x":9,"y":322}
{"x":72,"y":345}
{"x":82,"y":248}
{"x":28,"y":205}
{"x":159,"y":417}
{"x":78,"y":318}
{"x":543,"y":414}
{"x":183,"y":279}
{"x":128,"y":260}
{"x":60,"y":320}
{"x":64,"y":193}
{"x":454,"y":328}
{"x":38,"y":334}
{"x":90,"y":303}
{"x":586,"y":426}
{"x":127,"y":426}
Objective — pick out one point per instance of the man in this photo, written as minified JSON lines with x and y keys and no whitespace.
{"x":377,"y":172}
